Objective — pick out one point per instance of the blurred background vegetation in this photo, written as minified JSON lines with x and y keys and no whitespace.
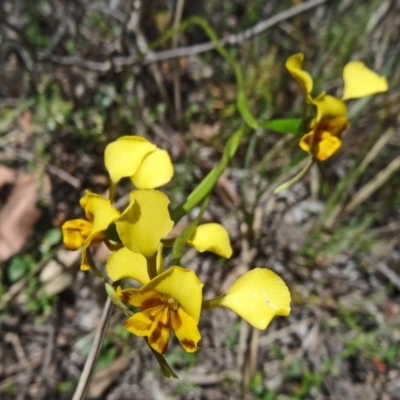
{"x":75,"y":75}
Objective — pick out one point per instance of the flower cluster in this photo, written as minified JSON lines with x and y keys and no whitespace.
{"x":168,"y":298}
{"x":323,"y":133}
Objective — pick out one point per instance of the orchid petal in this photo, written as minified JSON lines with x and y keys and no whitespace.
{"x":211,"y":237}
{"x":306,"y":142}
{"x":123,"y":263}
{"x":141,"y":323}
{"x":139,"y":298}
{"x":294,"y":65}
{"x":160,"y":330}
{"x":360,"y":81}
{"x":258,"y":296}
{"x":145,"y":222}
{"x":155,"y":170}
{"x":104,"y":213}
{"x":123,"y":157}
{"x":186,"y":329}
{"x":327,"y":146}
{"x":332,"y":113}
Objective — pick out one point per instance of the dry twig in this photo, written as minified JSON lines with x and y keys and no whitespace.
{"x":152,"y":57}
{"x":84,"y":379}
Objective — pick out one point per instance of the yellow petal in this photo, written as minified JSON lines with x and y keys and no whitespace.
{"x":182,"y":285}
{"x":332,"y":113}
{"x":125,"y":264}
{"x":258,"y":296}
{"x":211,"y":237}
{"x":124,"y":156}
{"x":307,"y":141}
{"x":154,"y":171}
{"x":103,"y":211}
{"x":360,"y":81}
{"x":145,"y":221}
{"x":75,"y":231}
{"x":141,"y":323}
{"x":160,"y":331}
{"x":86,"y":204}
{"x":186,"y":330}
{"x":294,"y":65}
{"x":139,"y":298}
{"x":85,"y":266}
{"x":153,"y":323}
{"x":327,"y":146}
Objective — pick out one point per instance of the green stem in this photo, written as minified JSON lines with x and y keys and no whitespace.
{"x":206,"y":185}
{"x":152,"y":266}
{"x":180,"y":241}
{"x":162,"y":362}
{"x":212,"y":303}
{"x":296,"y":178}
{"x":117,"y":302}
{"x":93,"y":266}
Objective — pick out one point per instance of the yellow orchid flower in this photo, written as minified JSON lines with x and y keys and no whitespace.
{"x":257,"y":296}
{"x":79,"y":233}
{"x":211,"y":237}
{"x":323,"y":138}
{"x":172,"y":300}
{"x":136,"y":158}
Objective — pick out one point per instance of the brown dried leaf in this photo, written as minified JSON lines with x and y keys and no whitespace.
{"x":7,"y":176}
{"x":20,"y":212}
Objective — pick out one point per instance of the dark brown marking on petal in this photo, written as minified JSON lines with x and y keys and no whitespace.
{"x":188,"y":344}
{"x":177,"y":322}
{"x":162,"y":325}
{"x":157,"y":335}
{"x":149,"y":303}
{"x":124,"y":296}
{"x":153,"y":312}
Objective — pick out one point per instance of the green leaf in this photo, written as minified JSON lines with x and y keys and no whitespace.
{"x":296,"y":178}
{"x":244,"y":110}
{"x":51,"y":238}
{"x":162,"y":362}
{"x":289,"y":125}
{"x":180,"y":241}
{"x":20,"y":266}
